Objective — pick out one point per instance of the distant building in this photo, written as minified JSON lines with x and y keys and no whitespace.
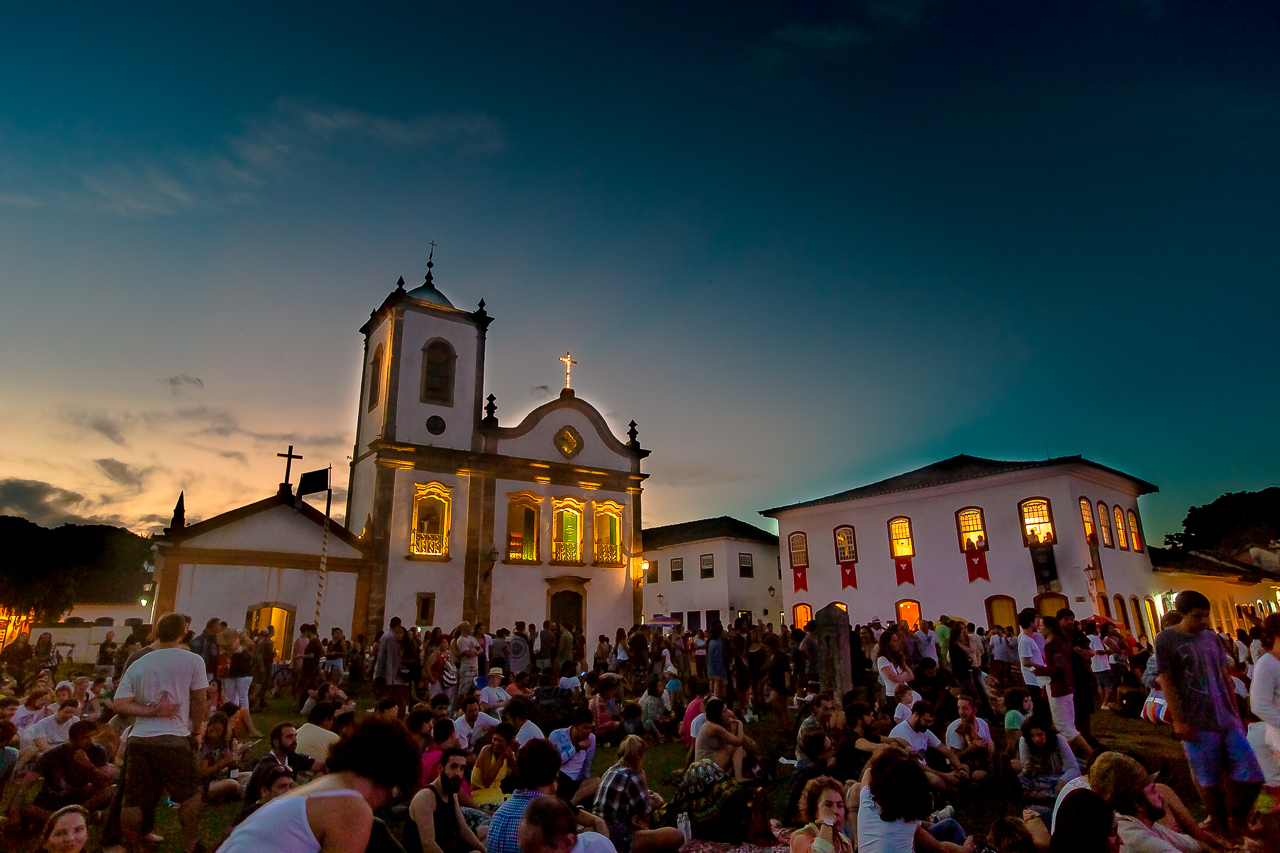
{"x":1247,"y":583}
{"x":713,"y":570}
{"x":977,"y":539}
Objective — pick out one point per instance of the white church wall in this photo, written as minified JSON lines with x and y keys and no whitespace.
{"x":371,"y":421}
{"x":538,"y":443}
{"x":360,"y":501}
{"x":520,"y":593}
{"x":406,"y":578}
{"x":227,"y":592}
{"x":411,"y":412}
{"x":280,"y":528}
{"x":941,"y":579}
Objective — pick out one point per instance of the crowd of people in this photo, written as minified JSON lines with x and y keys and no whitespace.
{"x":488,"y":742}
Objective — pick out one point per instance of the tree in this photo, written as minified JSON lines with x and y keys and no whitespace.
{"x":46,"y":572}
{"x":1231,"y":524}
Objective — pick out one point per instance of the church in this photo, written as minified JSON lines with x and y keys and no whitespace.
{"x":453,"y":516}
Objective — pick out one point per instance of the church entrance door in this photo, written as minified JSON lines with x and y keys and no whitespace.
{"x":280,"y":617}
{"x":567,"y":609}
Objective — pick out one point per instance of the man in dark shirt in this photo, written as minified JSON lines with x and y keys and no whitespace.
{"x":284,"y":750}
{"x":74,"y":773}
{"x":206,"y":645}
{"x":107,"y":655}
{"x":547,"y":646}
{"x":1081,"y":673}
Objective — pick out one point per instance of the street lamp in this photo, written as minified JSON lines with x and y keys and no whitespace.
{"x":662,"y":602}
{"x":772,"y":592}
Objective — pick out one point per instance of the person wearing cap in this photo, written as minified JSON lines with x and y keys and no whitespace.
{"x":1142,"y":817}
{"x":492,"y":697}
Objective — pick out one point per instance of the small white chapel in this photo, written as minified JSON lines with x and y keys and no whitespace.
{"x":453,"y":516}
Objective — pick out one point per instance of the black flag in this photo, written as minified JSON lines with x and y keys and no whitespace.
{"x":313,"y":481}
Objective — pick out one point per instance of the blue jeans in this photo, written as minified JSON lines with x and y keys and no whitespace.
{"x":948,"y":830}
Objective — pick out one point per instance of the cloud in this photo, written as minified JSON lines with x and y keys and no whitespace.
{"x":176,"y":383}
{"x":119,"y":472}
{"x":105,"y":425}
{"x":681,"y":475}
{"x":291,"y":137}
{"x":47,"y":505}
{"x":540,"y":391}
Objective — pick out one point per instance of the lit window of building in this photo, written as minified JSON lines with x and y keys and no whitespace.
{"x":522,"y":527}
{"x":566,"y":534}
{"x":799,"y":545}
{"x":1104,"y":524}
{"x":1121,"y":539}
{"x":901,"y":543}
{"x":431,"y":505}
{"x":1133,"y":531}
{"x":1037,"y":522}
{"x":1086,"y":515}
{"x":802,"y":614}
{"x":608,"y":533}
{"x":846,"y":545}
{"x":972,"y":529}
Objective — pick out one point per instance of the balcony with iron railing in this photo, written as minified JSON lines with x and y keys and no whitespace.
{"x":608,"y":553}
{"x":566,"y":552}
{"x":428,"y":544}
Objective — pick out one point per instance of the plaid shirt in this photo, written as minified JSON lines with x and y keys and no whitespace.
{"x":504,"y":828}
{"x":621,"y":797}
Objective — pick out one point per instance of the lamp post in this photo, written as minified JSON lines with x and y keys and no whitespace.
{"x":662,"y":602}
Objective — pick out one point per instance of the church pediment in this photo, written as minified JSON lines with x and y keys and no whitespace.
{"x":567,"y":429}
{"x":272,"y":525}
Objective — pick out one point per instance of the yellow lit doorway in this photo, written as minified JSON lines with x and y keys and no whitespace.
{"x":278,"y":616}
{"x":910,"y":611}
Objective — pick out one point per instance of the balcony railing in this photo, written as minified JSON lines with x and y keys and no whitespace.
{"x":566,"y":552}
{"x":428,"y":544}
{"x":607,"y":553}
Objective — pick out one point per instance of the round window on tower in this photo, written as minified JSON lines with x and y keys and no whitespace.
{"x":435,"y":424}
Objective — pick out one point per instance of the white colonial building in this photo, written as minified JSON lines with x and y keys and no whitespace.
{"x":459,"y":517}
{"x":977,"y":539}
{"x":713,"y":570}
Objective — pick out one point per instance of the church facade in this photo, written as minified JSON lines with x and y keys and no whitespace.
{"x":452,"y":516}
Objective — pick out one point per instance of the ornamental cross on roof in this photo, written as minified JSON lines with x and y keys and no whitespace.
{"x":568,"y":367}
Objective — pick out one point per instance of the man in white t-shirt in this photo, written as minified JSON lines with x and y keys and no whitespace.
{"x":492,"y":697}
{"x":166,"y":691}
{"x":518,"y":712}
{"x":915,"y":735}
{"x":549,"y":825}
{"x":928,"y":640}
{"x":44,"y":735}
{"x":1031,"y":659}
{"x":970,"y":737}
{"x":471,"y":726}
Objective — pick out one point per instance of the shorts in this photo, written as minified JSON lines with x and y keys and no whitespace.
{"x":333,"y":665}
{"x":1063,"y":711}
{"x":566,"y":787}
{"x":1107,"y":679}
{"x":157,"y":765}
{"x":1218,"y":757}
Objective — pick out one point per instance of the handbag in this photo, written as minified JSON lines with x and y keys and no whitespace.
{"x":1155,"y":709}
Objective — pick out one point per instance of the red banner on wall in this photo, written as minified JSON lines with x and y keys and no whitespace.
{"x":848,"y":575}
{"x":976,"y":561}
{"x":800,"y":574}
{"x":902,"y":567}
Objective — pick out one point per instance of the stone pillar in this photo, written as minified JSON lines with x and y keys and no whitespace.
{"x":835,"y":665}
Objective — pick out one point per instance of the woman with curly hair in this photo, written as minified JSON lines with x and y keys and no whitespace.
{"x":823,"y":812}
{"x":1046,"y":760}
{"x":894,"y":807}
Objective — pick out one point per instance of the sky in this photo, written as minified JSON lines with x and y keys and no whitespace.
{"x":804,"y":246}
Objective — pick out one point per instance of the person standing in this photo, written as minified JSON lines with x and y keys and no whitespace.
{"x":1081,"y":674}
{"x":1058,"y":654}
{"x":1031,"y":658}
{"x":166,"y":691}
{"x":206,"y":646}
{"x":1191,"y":669}
{"x":388,"y":680}
{"x":548,"y":645}
{"x":518,"y":651}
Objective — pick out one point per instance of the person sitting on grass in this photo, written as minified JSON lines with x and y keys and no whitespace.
{"x":1046,"y":761}
{"x":577,"y":746}
{"x":906,"y":699}
{"x":549,"y":826}
{"x":539,"y":765}
{"x":814,"y":761}
{"x":970,"y":737}
{"x":66,"y":830}
{"x":607,"y":723}
{"x":915,"y":735}
{"x":435,"y":820}
{"x":822,"y":811}
{"x":276,"y":782}
{"x":74,"y":773}
{"x":518,"y":713}
{"x":625,"y":803}
{"x":894,"y":806}
{"x":217,"y":755}
{"x":492,"y":697}
{"x":723,"y":740}
{"x":335,"y":812}
{"x":496,"y":762}
{"x":284,"y":750}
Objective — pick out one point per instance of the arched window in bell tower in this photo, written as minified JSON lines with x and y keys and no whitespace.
{"x":375,"y":378}
{"x":438,"y":362}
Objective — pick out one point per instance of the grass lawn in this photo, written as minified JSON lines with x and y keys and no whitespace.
{"x":1153,"y":745}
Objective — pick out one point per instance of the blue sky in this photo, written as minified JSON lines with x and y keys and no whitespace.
{"x":804,"y":247}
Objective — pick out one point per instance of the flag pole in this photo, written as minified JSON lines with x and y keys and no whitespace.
{"x":324,"y":552}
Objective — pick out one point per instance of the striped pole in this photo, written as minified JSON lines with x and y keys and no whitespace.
{"x":324,"y":559}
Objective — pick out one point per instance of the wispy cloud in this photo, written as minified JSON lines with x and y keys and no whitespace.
{"x":178,"y":384}
{"x":120,"y":472}
{"x":290,"y":137}
{"x":109,"y":427}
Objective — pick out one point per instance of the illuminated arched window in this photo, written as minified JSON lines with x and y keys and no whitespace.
{"x":908,"y":610}
{"x":1133,"y":531}
{"x":1104,"y":525}
{"x":1122,"y":612}
{"x":608,"y":523}
{"x":1152,"y":617}
{"x":1037,"y":522}
{"x":901,"y":542}
{"x":1139,"y":625}
{"x":375,"y":378}
{"x":971,"y":529}
{"x":566,"y":534}
{"x":1121,"y":539}
{"x":799,"y":546}
{"x":522,"y":527}
{"x":1086,"y":515}
{"x":846,"y":544}
{"x":431,"y":506}
{"x":1218,"y":623}
{"x":1104,"y":606}
{"x":438,"y":360}
{"x":801,"y":614}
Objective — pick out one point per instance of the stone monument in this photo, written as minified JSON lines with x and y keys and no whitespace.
{"x":835,"y":666}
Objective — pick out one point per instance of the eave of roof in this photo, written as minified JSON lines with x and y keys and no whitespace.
{"x":1198,"y":563}
{"x":284,"y":497}
{"x":955,"y":470}
{"x":721,"y":527}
